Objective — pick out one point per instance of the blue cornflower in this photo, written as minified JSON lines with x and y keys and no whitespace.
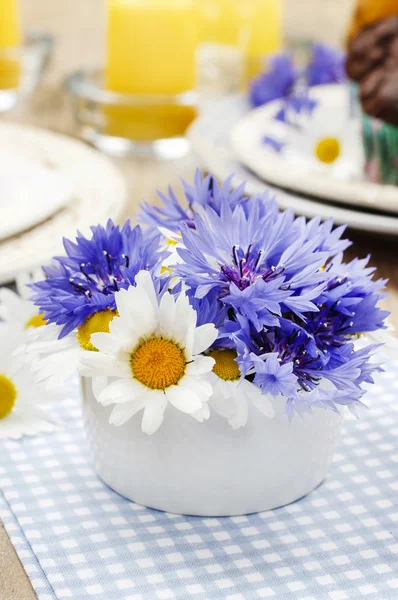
{"x":323,"y":379}
{"x":84,"y":281}
{"x":259,"y":302}
{"x":204,"y":192}
{"x":257,"y":265}
{"x":348,"y":303}
{"x":273,"y":377}
{"x":326,"y":66}
{"x":283,"y":300}
{"x":277,"y":82}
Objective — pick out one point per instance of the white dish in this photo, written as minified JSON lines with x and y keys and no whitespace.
{"x":303,"y":176}
{"x":31,"y":192}
{"x":98,"y":192}
{"x":210,"y":138}
{"x":209,"y":469}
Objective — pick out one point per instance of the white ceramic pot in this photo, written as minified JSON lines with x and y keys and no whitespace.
{"x":208,"y":469}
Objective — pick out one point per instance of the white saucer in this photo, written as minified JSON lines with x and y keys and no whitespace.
{"x":88,"y":190}
{"x":210,"y":138}
{"x":30,"y":193}
{"x":305,"y":177}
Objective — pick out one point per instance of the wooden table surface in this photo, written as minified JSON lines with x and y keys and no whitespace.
{"x":78,"y":28}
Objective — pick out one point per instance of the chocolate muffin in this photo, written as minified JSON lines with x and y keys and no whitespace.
{"x":372,"y":63}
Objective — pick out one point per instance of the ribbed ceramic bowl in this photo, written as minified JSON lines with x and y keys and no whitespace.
{"x":208,"y":469}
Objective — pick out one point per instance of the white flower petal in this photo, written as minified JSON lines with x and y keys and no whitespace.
{"x":201,"y":387}
{"x":94,"y":363}
{"x":240,"y":417}
{"x":261,"y":401}
{"x":105,"y":342}
{"x":28,"y":417}
{"x":12,"y":307}
{"x":225,"y":407}
{"x":48,"y":347}
{"x":200,"y":365}
{"x":205,"y":336}
{"x":154,"y":412}
{"x":122,"y":413}
{"x":188,"y":342}
{"x":169,"y":234}
{"x":58,"y":367}
{"x":49,"y":333}
{"x":227,"y":388}
{"x":136,"y":314}
{"x":203,"y":414}
{"x":144,"y":281}
{"x":185,"y":318}
{"x":121,"y":391}
{"x":98,"y":384}
{"x":18,"y":424}
{"x":183,"y":399}
{"x":126,"y":303}
{"x":167,"y":312}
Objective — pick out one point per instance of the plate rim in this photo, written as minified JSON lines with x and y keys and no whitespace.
{"x":72,"y":212}
{"x":213,"y":159}
{"x":271,"y":167}
{"x":47,"y":211}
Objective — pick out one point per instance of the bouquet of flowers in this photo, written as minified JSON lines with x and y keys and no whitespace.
{"x":207,"y":307}
{"x":310,"y":128}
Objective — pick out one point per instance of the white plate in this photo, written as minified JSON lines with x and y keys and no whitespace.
{"x":98,"y":192}
{"x":30,"y":192}
{"x":277,"y":169}
{"x":210,"y":138}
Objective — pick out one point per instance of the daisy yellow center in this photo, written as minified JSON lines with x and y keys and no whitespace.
{"x":226,"y":366}
{"x":328,"y":150}
{"x":35,"y":321}
{"x":8,"y":395}
{"x":96,"y":323}
{"x":158,"y":364}
{"x":172,"y":241}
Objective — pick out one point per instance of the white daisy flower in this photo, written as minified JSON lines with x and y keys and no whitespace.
{"x":154,"y":355}
{"x":326,"y":142}
{"x":21,"y":411}
{"x":170,"y":243}
{"x":171,"y":239}
{"x":16,"y":308}
{"x":55,"y":360}
{"x":231,"y":393}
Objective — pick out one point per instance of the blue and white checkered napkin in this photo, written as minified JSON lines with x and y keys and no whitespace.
{"x":78,"y":539}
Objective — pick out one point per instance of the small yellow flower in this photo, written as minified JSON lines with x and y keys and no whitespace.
{"x":95,"y":323}
{"x":8,"y":395}
{"x":35,"y":322}
{"x":328,"y":150}
{"x":226,"y":366}
{"x":232,"y":393}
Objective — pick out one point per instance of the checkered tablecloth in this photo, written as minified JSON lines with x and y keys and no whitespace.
{"x":78,"y":539}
